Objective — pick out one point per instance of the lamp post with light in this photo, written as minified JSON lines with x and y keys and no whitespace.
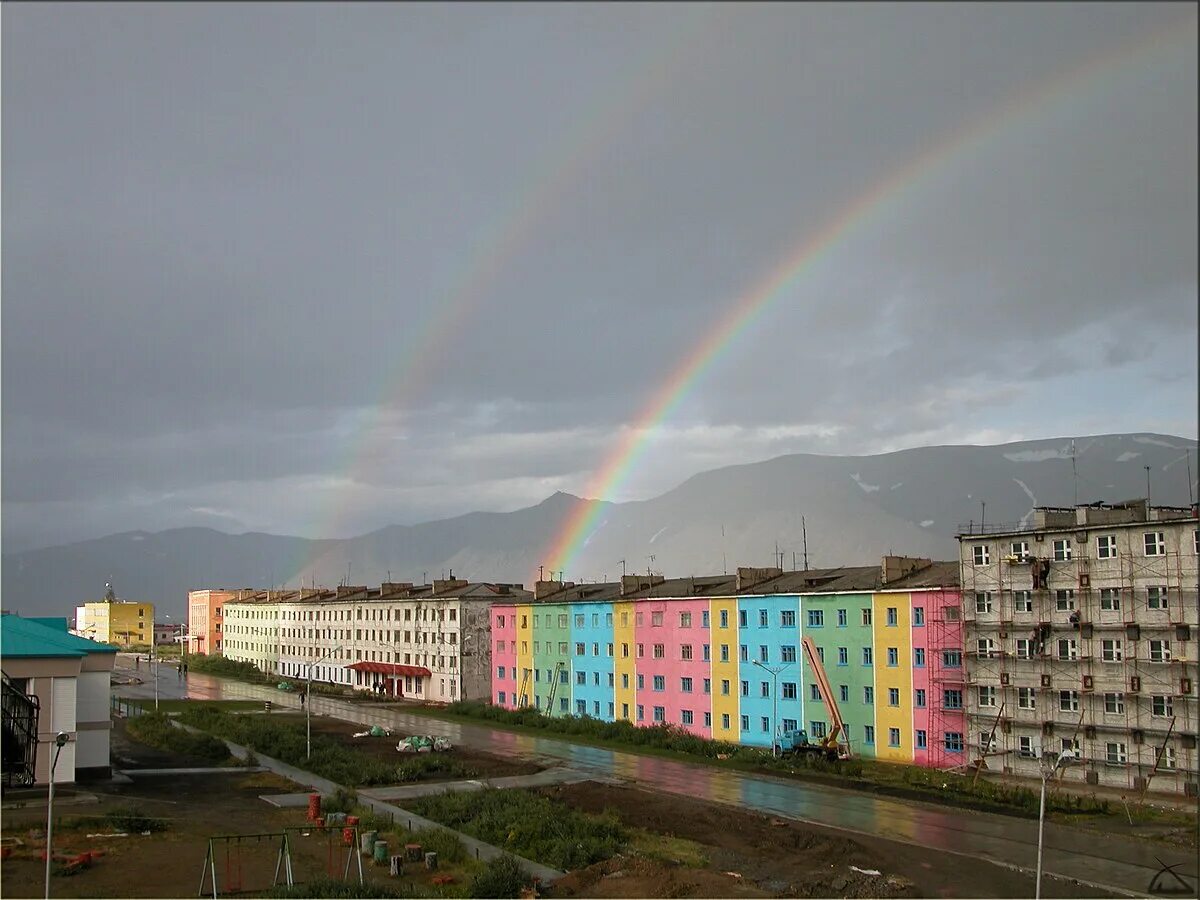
{"x":308,"y":702}
{"x":60,"y":741}
{"x":774,"y":702}
{"x":1064,"y":759}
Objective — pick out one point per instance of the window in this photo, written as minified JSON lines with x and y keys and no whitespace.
{"x":660,"y":714}
{"x":707,"y":653}
{"x":725,"y":687}
{"x":685,"y":620}
{"x":985,"y":648}
{"x":1115,"y":753}
{"x":1068,"y":649}
{"x":1156,"y":597}
{"x":685,"y":717}
{"x":918,"y":616}
{"x":843,"y":656}
{"x":562,"y":621}
{"x":1111,"y":651}
{"x":816,"y":618}
{"x":500,"y":697}
{"x":985,"y":742}
{"x":987,"y":695}
{"x":1062,"y":549}
{"x":1020,"y":549}
{"x":1024,"y":648}
{"x":725,"y":624}
{"x":789,"y":691}
{"x":1026,"y":698}
{"x":500,"y":672}
{"x":745,"y":723}
{"x":764,"y":689}
{"x":610,"y":650}
{"x":922,"y":740}
{"x":656,"y":620}
{"x":708,"y":685}
{"x":868,"y":694}
{"x":1160,"y":651}
{"x":1025,"y":748}
{"x":893,"y":656}
{"x":765,"y":723}
{"x":867,"y":656}
{"x":1154,"y":543}
{"x":764,"y":653}
{"x":660,"y":651}
{"x":743,"y":653}
{"x":1064,"y":600}
{"x":789,"y":724}
{"x":866,"y":616}
{"x":581,"y":677}
{"x":787,"y":653}
{"x":1068,"y":701}
{"x":1069,"y":746}
{"x":787,"y":618}
{"x":952,"y":659}
{"x":641,"y":651}
{"x":660,"y":683}
{"x":893,"y":696}
{"x":868,"y":734}
{"x":641,"y":682}
{"x":579,"y":620}
{"x":893,"y":616}
{"x":1106,"y":546}
{"x":580,"y":649}
{"x":724,"y":653}
{"x":814,"y":692}
{"x":763,"y":620}
{"x":893,"y":737}
{"x":919,"y":698}
{"x":704,"y":624}
{"x":981,"y":555}
{"x":1114,"y":704}
{"x":685,"y":651}
{"x":952,"y":699}
{"x":1161,"y":706}
{"x":685,"y":685}
{"x":1110,"y":598}
{"x":1023,"y":601}
{"x":953,"y":742}
{"x":919,"y":657}
{"x":641,"y":710}
{"x":983,"y":601}
{"x":580,"y":708}
{"x":725,"y":721}
{"x":844,"y":692}
{"x":841,"y":614}
{"x":745,"y":688}
{"x":1168,"y":758}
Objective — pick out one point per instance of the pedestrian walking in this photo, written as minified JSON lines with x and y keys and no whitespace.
{"x":302,"y":693}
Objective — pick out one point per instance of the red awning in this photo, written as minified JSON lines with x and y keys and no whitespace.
{"x":379,"y":668}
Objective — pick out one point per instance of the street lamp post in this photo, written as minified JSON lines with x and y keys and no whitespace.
{"x":1064,"y":759}
{"x":774,"y":702}
{"x":308,"y":702}
{"x":60,"y":741}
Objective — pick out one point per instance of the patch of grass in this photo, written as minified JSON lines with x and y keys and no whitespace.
{"x":336,"y":888}
{"x":133,"y":820}
{"x":426,"y":765}
{"x":667,"y":848}
{"x":178,"y":706}
{"x":528,"y":825}
{"x":155,"y":730}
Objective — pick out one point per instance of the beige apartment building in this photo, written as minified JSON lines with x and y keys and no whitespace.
{"x":251,"y":629}
{"x":1081,"y":636}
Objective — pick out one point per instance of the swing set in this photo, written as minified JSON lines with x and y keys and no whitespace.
{"x":234,"y":847}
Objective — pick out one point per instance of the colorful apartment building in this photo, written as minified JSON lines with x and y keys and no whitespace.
{"x":206,"y":619}
{"x":722,"y":656}
{"x":112,"y":621}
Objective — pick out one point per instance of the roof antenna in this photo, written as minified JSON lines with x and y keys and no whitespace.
{"x":1074,"y":474}
{"x":804,"y":533}
{"x":622,"y":568}
{"x":1147,"y":468}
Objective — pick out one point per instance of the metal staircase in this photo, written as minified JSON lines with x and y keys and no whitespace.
{"x":20,"y":730}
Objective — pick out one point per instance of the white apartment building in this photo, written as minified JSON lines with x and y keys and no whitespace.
{"x":426,"y":642}
{"x":1081,"y":636}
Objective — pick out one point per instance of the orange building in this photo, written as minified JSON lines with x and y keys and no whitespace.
{"x":205,"y":620}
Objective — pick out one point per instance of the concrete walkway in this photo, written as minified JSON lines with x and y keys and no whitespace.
{"x":412,"y":821}
{"x":201,"y":770}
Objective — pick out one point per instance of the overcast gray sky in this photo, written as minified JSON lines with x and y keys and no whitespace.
{"x":314,"y":269}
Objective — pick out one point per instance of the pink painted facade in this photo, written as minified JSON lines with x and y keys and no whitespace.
{"x":505,"y":677}
{"x":946,"y":682}
{"x":673,"y":669}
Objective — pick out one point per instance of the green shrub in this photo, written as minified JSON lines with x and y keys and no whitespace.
{"x":228,"y":668}
{"x":446,"y":844}
{"x":503,"y":876}
{"x":133,"y":820}
{"x":528,"y":824}
{"x":340,"y":800}
{"x":155,"y":730}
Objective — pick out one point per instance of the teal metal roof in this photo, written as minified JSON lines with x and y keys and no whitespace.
{"x":30,"y":638}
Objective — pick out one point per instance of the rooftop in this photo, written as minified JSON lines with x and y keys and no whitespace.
{"x":27,"y":638}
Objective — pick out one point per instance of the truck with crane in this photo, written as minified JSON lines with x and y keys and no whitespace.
{"x":797,"y":742}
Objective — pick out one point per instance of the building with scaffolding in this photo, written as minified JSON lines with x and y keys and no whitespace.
{"x":1079,"y":629}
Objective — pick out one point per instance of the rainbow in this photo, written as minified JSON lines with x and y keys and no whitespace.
{"x":564,"y":166}
{"x":864,"y":208}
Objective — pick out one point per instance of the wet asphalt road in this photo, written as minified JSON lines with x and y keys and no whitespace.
{"x":1108,"y":861}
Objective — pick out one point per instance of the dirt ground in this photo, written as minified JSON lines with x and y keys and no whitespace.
{"x":485,"y":764}
{"x":774,"y":857}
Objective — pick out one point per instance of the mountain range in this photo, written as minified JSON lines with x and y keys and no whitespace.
{"x":832,"y":510}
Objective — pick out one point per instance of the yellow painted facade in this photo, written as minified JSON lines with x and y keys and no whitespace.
{"x":524,"y":655}
{"x":723,"y":619}
{"x":893,"y":677}
{"x":624,"y":662}
{"x":121,"y":623}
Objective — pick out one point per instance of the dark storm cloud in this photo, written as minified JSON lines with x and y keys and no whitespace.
{"x":226,"y":227}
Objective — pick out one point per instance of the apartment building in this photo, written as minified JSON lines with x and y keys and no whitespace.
{"x":721,"y":656}
{"x":112,"y":621}
{"x":206,"y":619}
{"x":1080,"y":634}
{"x":427,"y":642}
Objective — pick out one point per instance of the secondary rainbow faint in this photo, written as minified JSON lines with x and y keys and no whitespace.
{"x":1026,"y":106}
{"x":421,"y":355}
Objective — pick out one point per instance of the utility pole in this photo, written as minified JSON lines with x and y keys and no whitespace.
{"x":1147,"y":468}
{"x":804,"y":533}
